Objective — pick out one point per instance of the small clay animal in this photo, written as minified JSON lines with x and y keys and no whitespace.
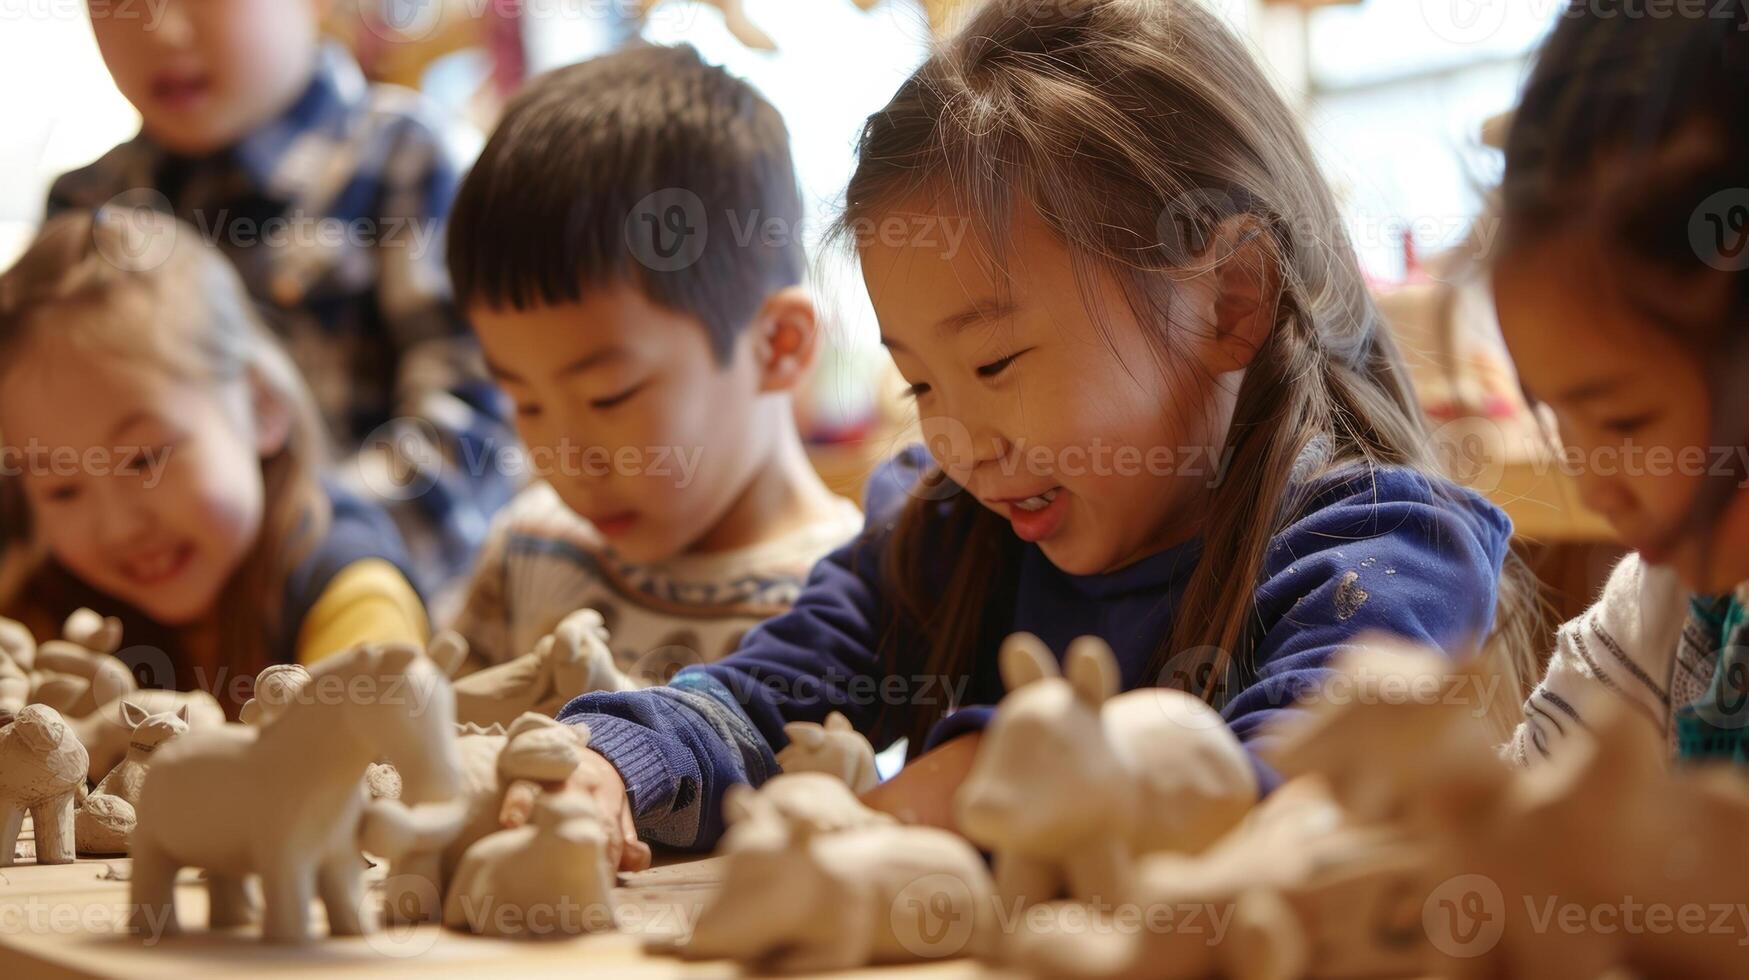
{"x":276,"y":686}
{"x":835,"y":748}
{"x":284,"y":801}
{"x":819,"y":802}
{"x":546,"y":879}
{"x":572,"y":660}
{"x":798,"y":901}
{"x":105,"y":820}
{"x":1073,"y":781}
{"x":105,"y":733}
{"x":502,"y":773}
{"x":42,"y":768}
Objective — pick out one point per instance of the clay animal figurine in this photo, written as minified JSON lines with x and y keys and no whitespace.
{"x":275,"y":687}
{"x":98,"y":634}
{"x":42,"y":768}
{"x":502,"y":772}
{"x":834,"y":748}
{"x":813,"y":800}
{"x":546,"y":879}
{"x":1526,"y":859}
{"x":798,"y":901}
{"x":1392,"y":708}
{"x":572,"y":660}
{"x":284,"y":801}
{"x":105,"y":820}
{"x":14,"y":688}
{"x":1073,"y":781}
{"x":1293,"y":891}
{"x":106,"y":732}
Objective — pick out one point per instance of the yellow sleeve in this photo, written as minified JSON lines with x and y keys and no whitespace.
{"x":370,"y":601}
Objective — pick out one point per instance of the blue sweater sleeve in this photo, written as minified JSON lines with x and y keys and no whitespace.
{"x":681,"y":746}
{"x":1390,"y":553}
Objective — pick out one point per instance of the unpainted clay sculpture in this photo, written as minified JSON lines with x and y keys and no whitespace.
{"x":835,"y":748}
{"x":1293,"y":891}
{"x":105,"y":733}
{"x":1073,"y":781}
{"x":17,"y":644}
{"x":74,"y":680}
{"x":14,"y":687}
{"x":105,"y":820}
{"x":42,"y":768}
{"x":284,"y":800}
{"x":799,"y":901}
{"x":816,"y":801}
{"x":1397,"y":707}
{"x":574,"y":659}
{"x":502,"y":773}
{"x":1607,"y":836}
{"x":98,"y":634}
{"x":546,"y":879}
{"x":275,"y":687}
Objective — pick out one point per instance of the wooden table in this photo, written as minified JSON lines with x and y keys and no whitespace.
{"x":70,"y":921}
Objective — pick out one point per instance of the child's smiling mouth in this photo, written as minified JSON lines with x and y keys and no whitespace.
{"x":1035,"y":517}
{"x":157,"y":566}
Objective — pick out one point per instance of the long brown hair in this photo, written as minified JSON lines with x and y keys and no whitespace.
{"x":1136,"y":130}
{"x":138,"y":284}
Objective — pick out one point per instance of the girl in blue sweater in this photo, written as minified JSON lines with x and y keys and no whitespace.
{"x":1159,"y":406}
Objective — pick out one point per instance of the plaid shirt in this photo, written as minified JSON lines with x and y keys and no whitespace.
{"x":332,"y":213}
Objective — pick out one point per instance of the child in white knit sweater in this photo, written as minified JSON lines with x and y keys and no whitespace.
{"x":1622,"y":294}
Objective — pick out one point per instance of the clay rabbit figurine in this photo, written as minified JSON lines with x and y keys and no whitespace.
{"x":572,"y":660}
{"x":799,"y":901}
{"x":546,"y":879}
{"x":834,"y":748}
{"x":106,"y":732}
{"x":502,"y":772}
{"x":105,"y":820}
{"x":284,"y":800}
{"x":1073,"y":781}
{"x":42,"y":767}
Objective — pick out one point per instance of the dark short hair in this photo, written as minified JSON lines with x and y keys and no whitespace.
{"x":646,"y":167}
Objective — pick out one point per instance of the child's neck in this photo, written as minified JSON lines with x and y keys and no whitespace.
{"x":785,"y":495}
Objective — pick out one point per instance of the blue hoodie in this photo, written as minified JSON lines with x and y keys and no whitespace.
{"x":1380,"y":550}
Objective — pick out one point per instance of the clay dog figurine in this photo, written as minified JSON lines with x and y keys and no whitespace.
{"x":42,"y":768}
{"x":284,"y":800}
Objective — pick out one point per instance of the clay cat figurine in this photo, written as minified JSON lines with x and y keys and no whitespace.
{"x":105,"y":821}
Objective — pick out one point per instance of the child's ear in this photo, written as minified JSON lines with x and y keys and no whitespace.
{"x":786,"y":338}
{"x":1247,"y":285}
{"x":272,"y":414}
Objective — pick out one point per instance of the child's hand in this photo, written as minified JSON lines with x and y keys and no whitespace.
{"x":922,"y":793}
{"x":597,"y":777}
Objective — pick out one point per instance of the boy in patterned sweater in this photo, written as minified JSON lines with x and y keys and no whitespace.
{"x":628,"y":249}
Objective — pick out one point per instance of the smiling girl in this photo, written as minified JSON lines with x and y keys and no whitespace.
{"x":163,"y":465}
{"x":1154,"y":274}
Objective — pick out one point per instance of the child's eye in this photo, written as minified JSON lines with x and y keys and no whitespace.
{"x":527,"y":411}
{"x":995,"y":368}
{"x":62,"y":495}
{"x":916,"y":391}
{"x":1629,"y":426}
{"x":619,"y":399}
